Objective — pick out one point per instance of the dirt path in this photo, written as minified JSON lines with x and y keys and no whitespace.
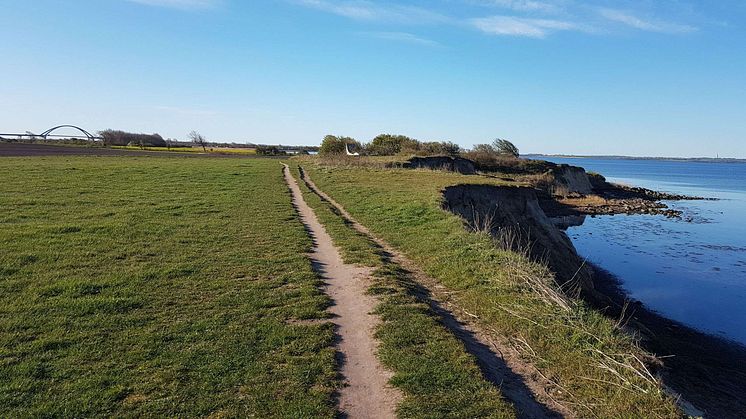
{"x":367,"y":393}
{"x":500,"y":363}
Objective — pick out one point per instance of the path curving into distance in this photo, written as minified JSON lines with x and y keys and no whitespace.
{"x":367,"y":393}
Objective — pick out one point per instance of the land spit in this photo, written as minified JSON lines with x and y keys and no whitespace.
{"x":367,"y":393}
{"x":563,"y":190}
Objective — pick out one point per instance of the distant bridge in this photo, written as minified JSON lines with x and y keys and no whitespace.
{"x":84,"y":135}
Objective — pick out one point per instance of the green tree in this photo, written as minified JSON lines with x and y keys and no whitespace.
{"x":269,"y":150}
{"x":505,"y":148}
{"x":332,"y":145}
{"x":390,"y":145}
{"x":439,"y":148}
{"x":485,"y":149}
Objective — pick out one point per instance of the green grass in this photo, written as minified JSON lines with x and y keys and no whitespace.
{"x":214,"y":150}
{"x":404,"y":208}
{"x":157,"y":287}
{"x":435,"y":373}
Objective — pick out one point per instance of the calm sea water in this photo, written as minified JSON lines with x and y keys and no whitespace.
{"x":691,"y":270}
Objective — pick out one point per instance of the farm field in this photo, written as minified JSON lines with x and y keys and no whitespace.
{"x":210,"y":150}
{"x":145,"y":286}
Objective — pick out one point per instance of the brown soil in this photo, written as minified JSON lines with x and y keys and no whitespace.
{"x":499,"y":361}
{"x":367,"y":393}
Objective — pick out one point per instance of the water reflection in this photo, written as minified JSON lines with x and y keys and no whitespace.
{"x":567,"y":221}
{"x":692,"y":269}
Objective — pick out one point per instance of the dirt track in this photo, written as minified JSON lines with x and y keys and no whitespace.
{"x":367,"y":393}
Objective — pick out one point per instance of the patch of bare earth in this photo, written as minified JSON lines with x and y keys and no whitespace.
{"x":367,"y":393}
{"x":500,"y":363}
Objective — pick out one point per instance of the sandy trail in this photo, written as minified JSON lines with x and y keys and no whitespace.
{"x":501,"y":364}
{"x":367,"y":393}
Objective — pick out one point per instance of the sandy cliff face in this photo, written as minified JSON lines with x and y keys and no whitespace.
{"x":517,"y":209}
{"x":574,"y":179}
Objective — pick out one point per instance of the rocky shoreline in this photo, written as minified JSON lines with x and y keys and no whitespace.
{"x":709,"y":371}
{"x":611,"y":199}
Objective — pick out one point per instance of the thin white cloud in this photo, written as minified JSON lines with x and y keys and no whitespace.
{"x":649,"y":25}
{"x":518,"y":26}
{"x":384,"y":12}
{"x":525,"y":5}
{"x":521,"y":18}
{"x":180,"y":4}
{"x":403,"y":37}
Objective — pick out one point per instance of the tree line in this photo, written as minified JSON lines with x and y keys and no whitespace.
{"x":392,"y":145}
{"x":123,"y":138}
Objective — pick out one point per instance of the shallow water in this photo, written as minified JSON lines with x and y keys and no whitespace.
{"x":691,"y":270}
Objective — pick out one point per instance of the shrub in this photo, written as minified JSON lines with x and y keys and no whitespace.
{"x":269,"y":150}
{"x":503,"y":156}
{"x":487,"y":159}
{"x":505,"y":148}
{"x":390,"y":145}
{"x":435,"y":148}
{"x":333,"y":145}
{"x":484,"y":149}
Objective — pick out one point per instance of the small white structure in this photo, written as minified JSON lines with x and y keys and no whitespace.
{"x":347,"y":150}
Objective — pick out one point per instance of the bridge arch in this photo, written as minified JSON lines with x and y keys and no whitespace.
{"x":87,"y":134}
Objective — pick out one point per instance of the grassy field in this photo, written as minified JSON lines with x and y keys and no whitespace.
{"x":166,"y":286}
{"x":219,"y":150}
{"x":157,"y":287}
{"x":596,"y":368}
{"x":433,"y":370}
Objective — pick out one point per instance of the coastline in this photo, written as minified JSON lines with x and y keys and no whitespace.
{"x":614,"y":157}
{"x":709,"y":371}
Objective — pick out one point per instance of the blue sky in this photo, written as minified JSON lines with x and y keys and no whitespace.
{"x":647,"y":77}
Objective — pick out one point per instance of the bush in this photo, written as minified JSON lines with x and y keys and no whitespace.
{"x":443,"y":148}
{"x":505,"y":148}
{"x":484,"y":149}
{"x":487,"y":159}
{"x":267,"y":150}
{"x":333,"y":145}
{"x":503,"y":156}
{"x":390,"y":145}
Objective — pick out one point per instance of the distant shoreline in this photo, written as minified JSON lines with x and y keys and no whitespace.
{"x":681,"y":159}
